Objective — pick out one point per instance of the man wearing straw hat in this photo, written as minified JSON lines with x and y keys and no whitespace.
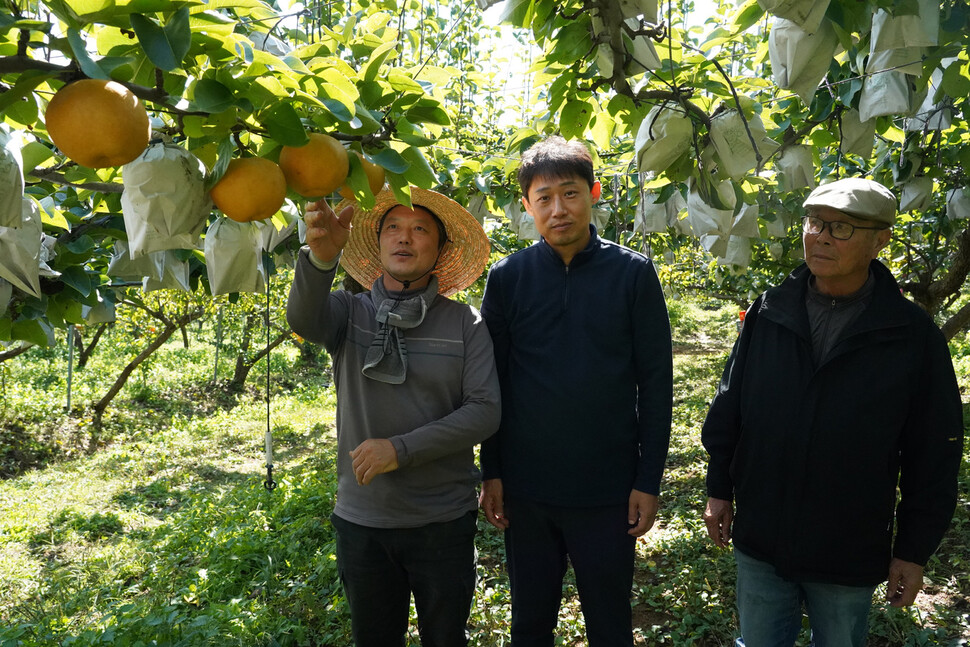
{"x":835,"y":435}
{"x":416,"y":391}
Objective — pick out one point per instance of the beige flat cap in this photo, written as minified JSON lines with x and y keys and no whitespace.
{"x":857,"y":197}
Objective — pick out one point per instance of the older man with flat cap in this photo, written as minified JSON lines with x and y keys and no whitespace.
{"x":835,"y":435}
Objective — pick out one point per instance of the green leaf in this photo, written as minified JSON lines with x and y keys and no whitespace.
{"x":88,"y":66}
{"x":359,"y":184}
{"x":35,"y":154}
{"x":572,"y":43}
{"x":955,"y":83}
{"x":391,"y":160}
{"x":363,"y":123}
{"x":154,"y":41}
{"x":53,"y":217}
{"x":338,"y":109}
{"x":401,"y":188}
{"x":746,"y":16}
{"x":574,"y":118}
{"x":522,"y":140}
{"x":212,"y":96}
{"x":377,"y":58}
{"x":402,"y":82}
{"x":76,"y":278}
{"x":30,"y":330}
{"x":428,"y":112}
{"x":420,"y":173}
{"x":179,"y":34}
{"x":80,"y":245}
{"x":225,"y":155}
{"x":284,"y":125}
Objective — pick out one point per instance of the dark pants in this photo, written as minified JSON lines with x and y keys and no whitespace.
{"x":538,"y":542}
{"x":381,"y":567}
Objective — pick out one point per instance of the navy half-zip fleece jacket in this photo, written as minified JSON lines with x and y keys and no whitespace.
{"x":584,"y":360}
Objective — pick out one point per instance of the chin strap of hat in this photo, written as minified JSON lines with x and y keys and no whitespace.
{"x":269,"y":483}
{"x":407,"y":284}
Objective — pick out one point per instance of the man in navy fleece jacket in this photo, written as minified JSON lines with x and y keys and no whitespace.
{"x":583,"y":351}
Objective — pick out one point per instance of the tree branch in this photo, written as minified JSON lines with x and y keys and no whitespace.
{"x":53,"y":176}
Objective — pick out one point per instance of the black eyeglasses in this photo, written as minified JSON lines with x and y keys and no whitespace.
{"x":839,"y":230}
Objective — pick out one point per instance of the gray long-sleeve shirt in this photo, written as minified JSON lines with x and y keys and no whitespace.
{"x":448,"y":403}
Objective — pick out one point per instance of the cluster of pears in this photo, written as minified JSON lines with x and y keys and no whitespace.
{"x":100,"y":123}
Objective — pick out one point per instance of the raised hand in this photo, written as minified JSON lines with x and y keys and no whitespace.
{"x":326,"y":232}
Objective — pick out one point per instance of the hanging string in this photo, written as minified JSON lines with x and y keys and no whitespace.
{"x":269,"y":483}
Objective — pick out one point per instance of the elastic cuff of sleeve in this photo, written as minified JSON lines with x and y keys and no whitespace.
{"x":317,"y":263}
{"x":403,"y":458}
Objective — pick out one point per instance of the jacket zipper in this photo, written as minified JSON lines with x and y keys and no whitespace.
{"x":565,"y":289}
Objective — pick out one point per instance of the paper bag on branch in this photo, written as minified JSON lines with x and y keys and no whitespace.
{"x":6,"y":292}
{"x":778,"y":225}
{"x":716,"y":244}
{"x":46,"y":255}
{"x":957,"y":204}
{"x":908,"y":60}
{"x":746,"y":222}
{"x":796,"y":167}
{"x":705,"y":219}
{"x":886,"y":93}
{"x":800,"y":60}
{"x":857,"y":136}
{"x":737,"y":254}
{"x":640,"y":51}
{"x":651,"y":216}
{"x":521,"y":223}
{"x":634,"y":8}
{"x":478,"y":207}
{"x":735,"y":151}
{"x":933,"y":115}
{"x":270,"y":237}
{"x":175,"y":274}
{"x":102,"y":312}
{"x":20,"y":249}
{"x":914,"y":30}
{"x":11,"y":178}
{"x":165,"y":204}
{"x":126,"y":268}
{"x":234,"y":257}
{"x":917,"y":194}
{"x":665,"y":134}
{"x":598,"y":218}
{"x":807,"y":14}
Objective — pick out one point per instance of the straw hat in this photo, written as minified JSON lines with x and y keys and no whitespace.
{"x":461,"y":262}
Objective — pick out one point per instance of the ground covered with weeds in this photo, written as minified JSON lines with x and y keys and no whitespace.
{"x":156,"y":528}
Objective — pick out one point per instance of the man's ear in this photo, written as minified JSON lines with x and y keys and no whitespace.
{"x":596,"y":190}
{"x":882,"y":239}
{"x":526,"y":205}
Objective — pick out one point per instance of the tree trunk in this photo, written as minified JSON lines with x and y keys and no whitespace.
{"x":101,"y":405}
{"x":85,"y":352}
{"x":10,"y":353}
{"x":243,"y":366}
{"x":242,"y":352}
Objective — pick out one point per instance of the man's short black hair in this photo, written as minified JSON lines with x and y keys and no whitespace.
{"x":554,"y":157}
{"x":442,"y":233}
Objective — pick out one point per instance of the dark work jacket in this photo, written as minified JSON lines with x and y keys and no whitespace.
{"x":584,"y":360}
{"x":812,"y":455}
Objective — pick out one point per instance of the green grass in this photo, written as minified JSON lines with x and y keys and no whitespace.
{"x":157,"y":530}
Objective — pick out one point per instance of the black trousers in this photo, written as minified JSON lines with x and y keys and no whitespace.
{"x":381,"y":567}
{"x":539,"y":541}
